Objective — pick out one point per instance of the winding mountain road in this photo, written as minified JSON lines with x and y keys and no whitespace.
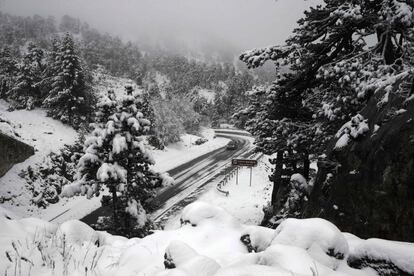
{"x":191,"y":178}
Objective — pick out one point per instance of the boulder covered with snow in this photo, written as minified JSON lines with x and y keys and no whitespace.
{"x":320,"y":238}
{"x":387,"y":257}
{"x":180,"y":255}
{"x":77,"y":232}
{"x":253,"y":270}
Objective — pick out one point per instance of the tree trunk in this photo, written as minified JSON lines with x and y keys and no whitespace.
{"x":277,"y":176}
{"x":114,"y":203}
{"x":306,"y":165}
{"x":386,"y":47}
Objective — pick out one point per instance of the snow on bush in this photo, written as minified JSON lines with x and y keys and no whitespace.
{"x":167,"y":180}
{"x":211,"y":247}
{"x":260,"y":237}
{"x":356,"y":127}
{"x":295,"y":200}
{"x":136,"y":211}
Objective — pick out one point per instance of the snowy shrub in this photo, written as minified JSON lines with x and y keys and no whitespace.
{"x":353,"y":129}
{"x":168,"y":128}
{"x":293,"y":202}
{"x":200,"y":141}
{"x":46,"y":251}
{"x":257,"y":238}
{"x":46,"y":179}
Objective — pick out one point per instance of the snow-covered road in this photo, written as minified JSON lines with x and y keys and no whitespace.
{"x":191,"y":178}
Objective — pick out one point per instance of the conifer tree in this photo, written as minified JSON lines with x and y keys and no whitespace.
{"x":8,"y":70}
{"x":116,"y":158}
{"x":327,"y":71}
{"x":69,"y":99}
{"x":27,"y":93}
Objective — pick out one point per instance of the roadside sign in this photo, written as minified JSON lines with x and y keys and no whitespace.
{"x":244,"y":162}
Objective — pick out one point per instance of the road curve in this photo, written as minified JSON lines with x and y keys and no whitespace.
{"x":190,"y":178}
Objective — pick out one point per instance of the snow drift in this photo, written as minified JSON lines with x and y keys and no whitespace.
{"x":208,"y":242}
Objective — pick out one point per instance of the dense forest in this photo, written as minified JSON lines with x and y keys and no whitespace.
{"x":35,"y":51}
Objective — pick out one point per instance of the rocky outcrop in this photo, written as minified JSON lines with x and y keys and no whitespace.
{"x":12,"y":151}
{"x":367,"y":187}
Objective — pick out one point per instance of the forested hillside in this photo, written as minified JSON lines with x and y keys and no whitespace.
{"x":41,"y":57}
{"x":119,"y":99}
{"x":342,"y":99}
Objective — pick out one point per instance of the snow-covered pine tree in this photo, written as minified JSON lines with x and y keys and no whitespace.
{"x":69,"y":99}
{"x":116,"y":158}
{"x":328,"y":70}
{"x":8,"y":70}
{"x":148,"y":111}
{"x":26,"y":93}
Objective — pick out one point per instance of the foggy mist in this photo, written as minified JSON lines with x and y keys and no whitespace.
{"x":232,"y":25}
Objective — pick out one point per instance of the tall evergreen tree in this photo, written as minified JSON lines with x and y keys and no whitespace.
{"x":116,"y":158}
{"x":69,"y":99}
{"x":8,"y":70}
{"x":27,"y":93}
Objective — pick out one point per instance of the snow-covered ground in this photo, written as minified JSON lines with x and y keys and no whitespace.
{"x":244,"y":202}
{"x":103,"y":83}
{"x":209,"y":242}
{"x":47,"y":135}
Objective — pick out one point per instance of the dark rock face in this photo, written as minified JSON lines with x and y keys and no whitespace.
{"x":12,"y":151}
{"x":367,"y":188}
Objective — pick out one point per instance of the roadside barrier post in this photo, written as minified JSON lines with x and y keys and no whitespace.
{"x":251,"y":176}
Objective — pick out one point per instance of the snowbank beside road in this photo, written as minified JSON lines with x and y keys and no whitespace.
{"x":244,"y":202}
{"x":208,"y":243}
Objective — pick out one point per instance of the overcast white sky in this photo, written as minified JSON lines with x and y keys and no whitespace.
{"x":243,"y":24}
